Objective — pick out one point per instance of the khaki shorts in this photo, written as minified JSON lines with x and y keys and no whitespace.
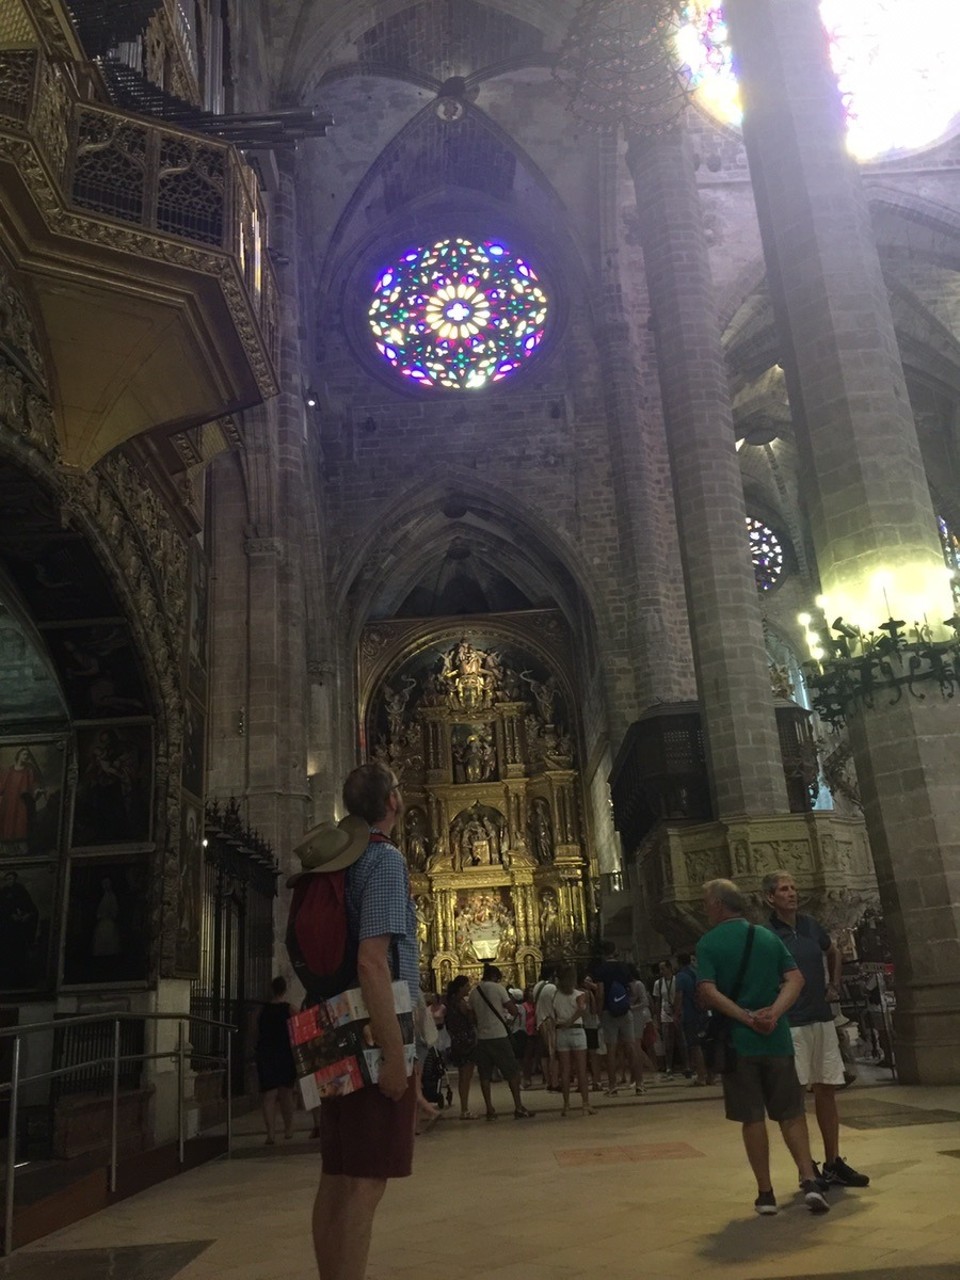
{"x":366,"y":1135}
{"x":763,"y":1086}
{"x":497,"y":1055}
{"x":817,"y":1051}
{"x":616,"y":1030}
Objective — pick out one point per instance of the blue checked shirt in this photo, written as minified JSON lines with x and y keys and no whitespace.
{"x":379,"y":902}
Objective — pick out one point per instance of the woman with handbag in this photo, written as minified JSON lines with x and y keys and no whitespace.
{"x":462,"y":1030}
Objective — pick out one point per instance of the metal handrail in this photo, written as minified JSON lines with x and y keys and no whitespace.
{"x":178,"y":1055}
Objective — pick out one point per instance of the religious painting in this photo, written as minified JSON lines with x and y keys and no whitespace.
{"x":486,"y":928}
{"x":114,"y":785}
{"x":194,"y":738}
{"x":197,"y":622}
{"x":107,"y":925}
{"x":31,"y":797}
{"x":99,"y":669}
{"x":28,"y":688}
{"x":61,"y":577}
{"x":27,"y":900}
{"x":189,"y":882}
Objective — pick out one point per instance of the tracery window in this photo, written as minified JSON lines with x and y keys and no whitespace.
{"x":458,"y":314}
{"x":766,"y":550}
{"x":896,"y":69}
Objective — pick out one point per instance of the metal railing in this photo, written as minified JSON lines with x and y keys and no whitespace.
{"x":180,"y":1055}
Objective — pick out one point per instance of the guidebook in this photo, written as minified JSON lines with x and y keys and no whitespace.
{"x":333,"y":1046}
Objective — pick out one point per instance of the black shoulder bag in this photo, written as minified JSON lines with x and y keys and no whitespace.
{"x":718,"y":1052}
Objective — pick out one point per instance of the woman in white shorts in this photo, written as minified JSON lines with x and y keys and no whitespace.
{"x":569,"y":1004}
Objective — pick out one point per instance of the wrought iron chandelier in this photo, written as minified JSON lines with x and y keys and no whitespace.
{"x":857,"y":667}
{"x":619,"y":66}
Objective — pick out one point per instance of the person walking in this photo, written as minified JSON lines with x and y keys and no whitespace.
{"x":816,"y":1045}
{"x":276,"y":1071}
{"x":747,"y":976}
{"x":664,"y":999}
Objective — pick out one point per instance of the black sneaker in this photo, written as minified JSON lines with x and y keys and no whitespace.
{"x":766,"y":1203}
{"x":813,"y":1196}
{"x":838,"y":1173}
{"x":820,"y":1177}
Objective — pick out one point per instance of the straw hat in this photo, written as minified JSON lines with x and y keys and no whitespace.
{"x":331,"y":846}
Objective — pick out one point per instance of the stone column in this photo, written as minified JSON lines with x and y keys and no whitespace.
{"x":743,"y":751}
{"x":864,"y":486}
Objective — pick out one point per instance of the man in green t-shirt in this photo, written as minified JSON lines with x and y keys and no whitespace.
{"x":763,"y":1080}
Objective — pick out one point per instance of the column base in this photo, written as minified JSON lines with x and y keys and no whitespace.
{"x":926,"y":1034}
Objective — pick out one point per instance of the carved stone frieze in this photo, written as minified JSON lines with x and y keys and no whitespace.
{"x":828,"y":855}
{"x":18,"y":339}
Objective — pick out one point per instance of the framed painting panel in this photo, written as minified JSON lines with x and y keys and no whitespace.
{"x":31,"y":796}
{"x":28,"y":895}
{"x":99,"y":670}
{"x":107,"y":927}
{"x":114,"y":785}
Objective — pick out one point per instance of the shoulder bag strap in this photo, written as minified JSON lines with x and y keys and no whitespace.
{"x":744,"y":961}
{"x":486,"y":1000}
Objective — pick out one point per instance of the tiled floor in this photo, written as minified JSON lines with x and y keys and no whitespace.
{"x":649,"y":1189}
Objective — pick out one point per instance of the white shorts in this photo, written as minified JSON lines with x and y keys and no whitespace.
{"x":569,"y":1039}
{"x":817,"y":1054}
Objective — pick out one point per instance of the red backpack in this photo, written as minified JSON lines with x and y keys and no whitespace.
{"x":321,"y":947}
{"x":321,"y":950}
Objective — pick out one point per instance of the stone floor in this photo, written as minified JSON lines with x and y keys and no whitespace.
{"x":654,"y":1187}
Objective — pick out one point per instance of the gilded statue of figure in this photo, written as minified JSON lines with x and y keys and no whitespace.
{"x":416,"y":840}
{"x":549,"y":921}
{"x":544,"y":694}
{"x":395,"y":701}
{"x":540,"y":831}
{"x":471,"y":675}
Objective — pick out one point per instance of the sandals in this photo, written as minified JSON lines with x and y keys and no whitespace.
{"x":467,"y":1115}
{"x":491,"y":1115}
{"x":522,"y":1113}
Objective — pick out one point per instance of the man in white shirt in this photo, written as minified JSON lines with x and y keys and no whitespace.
{"x":495,"y":1011}
{"x":543,"y":994}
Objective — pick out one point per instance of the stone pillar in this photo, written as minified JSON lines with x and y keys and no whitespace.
{"x":871,"y":518}
{"x":743,"y":752}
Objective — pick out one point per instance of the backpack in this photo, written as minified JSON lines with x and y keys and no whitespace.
{"x":616,"y":998}
{"x":321,"y":947}
{"x":321,"y":950}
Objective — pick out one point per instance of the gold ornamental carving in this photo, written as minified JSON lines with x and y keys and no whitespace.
{"x":479,"y":729}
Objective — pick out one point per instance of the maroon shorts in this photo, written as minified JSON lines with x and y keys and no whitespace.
{"x":365,"y":1135}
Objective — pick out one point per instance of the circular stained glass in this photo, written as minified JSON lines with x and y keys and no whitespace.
{"x":458,"y":314}
{"x":767,"y":552}
{"x":896,"y":69}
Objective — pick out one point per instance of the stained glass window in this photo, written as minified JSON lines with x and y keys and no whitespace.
{"x":896,"y":69}
{"x":767,"y":552}
{"x":951,"y":554}
{"x":458,"y":314}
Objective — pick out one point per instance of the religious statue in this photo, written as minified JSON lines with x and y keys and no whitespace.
{"x":416,"y":841}
{"x":471,"y":676}
{"x":477,"y":835}
{"x":544,"y":695}
{"x":475,"y":756}
{"x":542,"y":837}
{"x":395,"y":701}
{"x":549,"y":921}
{"x":424,"y":909}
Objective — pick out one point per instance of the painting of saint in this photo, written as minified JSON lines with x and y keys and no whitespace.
{"x":31,"y":790}
{"x":27,"y":896}
{"x":99,"y":670}
{"x":193,"y":747}
{"x":114,"y":785}
{"x":106,"y":923}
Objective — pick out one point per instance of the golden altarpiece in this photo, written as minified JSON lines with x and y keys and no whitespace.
{"x":478,"y":719}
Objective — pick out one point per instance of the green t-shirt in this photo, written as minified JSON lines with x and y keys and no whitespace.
{"x":719,"y":955}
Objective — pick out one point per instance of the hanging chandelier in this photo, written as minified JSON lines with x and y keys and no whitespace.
{"x":619,"y":66}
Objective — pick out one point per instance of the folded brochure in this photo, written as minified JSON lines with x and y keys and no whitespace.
{"x":333,"y":1048}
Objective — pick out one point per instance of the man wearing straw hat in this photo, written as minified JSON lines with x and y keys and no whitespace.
{"x":366,"y":1137}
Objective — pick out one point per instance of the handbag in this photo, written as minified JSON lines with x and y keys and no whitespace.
{"x":718,"y":1052}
